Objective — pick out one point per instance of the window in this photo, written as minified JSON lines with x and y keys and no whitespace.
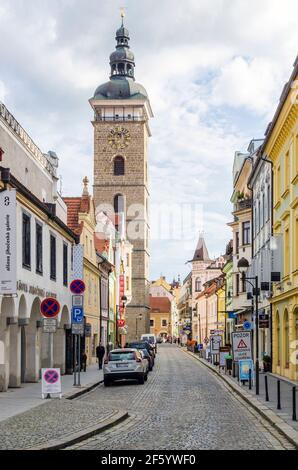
{"x":38,"y":243}
{"x":286,"y":252}
{"x":246,"y":233}
{"x":119,"y":166}
{"x":127,"y":260}
{"x":53,"y":257}
{"x":287,"y":170}
{"x":243,"y":282}
{"x":277,"y":187}
{"x":237,"y":284}
{"x":263,"y":210}
{"x":65,"y":264}
{"x":26,"y":241}
{"x":164,"y":322}
{"x":118,"y":203}
{"x":237,"y":242}
{"x":152,"y":323}
{"x":127,"y":283}
{"x":198,"y":285}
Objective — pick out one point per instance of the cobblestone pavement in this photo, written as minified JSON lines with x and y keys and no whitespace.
{"x":182,"y":406}
{"x":54,"y":420}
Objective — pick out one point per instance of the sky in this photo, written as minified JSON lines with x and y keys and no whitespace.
{"x":213,"y":70}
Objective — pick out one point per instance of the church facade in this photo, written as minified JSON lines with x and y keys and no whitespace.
{"x":121,"y":132}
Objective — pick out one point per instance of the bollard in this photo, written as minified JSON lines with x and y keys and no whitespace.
{"x":266,"y":388}
{"x":278,"y":395}
{"x":249,"y":379}
{"x":294,"y":404}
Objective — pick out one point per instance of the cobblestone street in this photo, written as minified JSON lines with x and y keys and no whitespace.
{"x":182,"y":406}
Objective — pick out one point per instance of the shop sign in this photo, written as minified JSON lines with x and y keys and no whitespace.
{"x":8,"y":271}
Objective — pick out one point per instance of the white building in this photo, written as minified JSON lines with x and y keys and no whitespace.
{"x":43,"y":260}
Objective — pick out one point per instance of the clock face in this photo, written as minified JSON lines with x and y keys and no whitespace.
{"x":119,"y":138}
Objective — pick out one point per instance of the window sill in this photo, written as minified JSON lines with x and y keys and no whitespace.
{"x":53,"y":279}
{"x":40,"y":273}
{"x":26,"y":266}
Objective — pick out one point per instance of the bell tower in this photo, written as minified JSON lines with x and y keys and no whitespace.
{"x":121,"y":131}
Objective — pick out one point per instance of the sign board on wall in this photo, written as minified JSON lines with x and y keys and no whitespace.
{"x":8,"y":266}
{"x":77,"y":262}
{"x":241,"y":342}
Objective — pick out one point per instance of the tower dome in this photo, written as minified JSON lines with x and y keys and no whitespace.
{"x":122,"y":83}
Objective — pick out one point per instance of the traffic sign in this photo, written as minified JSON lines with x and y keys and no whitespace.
{"x":51,"y":382}
{"x":247,"y":325}
{"x":49,"y":325}
{"x":77,"y":300}
{"x":50,"y":307}
{"x":77,"y":286}
{"x":241,"y":341}
{"x":77,"y":328}
{"x":77,"y":315}
{"x":215,"y":342}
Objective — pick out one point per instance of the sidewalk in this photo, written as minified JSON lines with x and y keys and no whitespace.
{"x":19,"y":400}
{"x":281,"y":419}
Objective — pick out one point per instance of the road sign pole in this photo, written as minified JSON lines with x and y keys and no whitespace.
{"x":75,"y":361}
{"x":79,"y":361}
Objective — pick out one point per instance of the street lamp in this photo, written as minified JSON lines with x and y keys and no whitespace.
{"x":243,"y":266}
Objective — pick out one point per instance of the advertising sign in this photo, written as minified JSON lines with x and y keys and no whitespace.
{"x":51,"y":382}
{"x":241,"y":342}
{"x":244,"y":367}
{"x":88,"y":330}
{"x":223,"y":352}
{"x":8,"y":267}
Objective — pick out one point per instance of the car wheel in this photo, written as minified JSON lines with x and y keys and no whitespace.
{"x":142,"y":379}
{"x":106,"y":382}
{"x":146,"y":377}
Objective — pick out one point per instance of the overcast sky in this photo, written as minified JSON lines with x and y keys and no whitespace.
{"x":214,"y":71}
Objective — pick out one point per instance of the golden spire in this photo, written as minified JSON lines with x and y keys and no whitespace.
{"x":122,"y":14}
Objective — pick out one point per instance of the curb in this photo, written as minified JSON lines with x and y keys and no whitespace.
{"x":117,"y":418}
{"x":84,"y":389}
{"x":285,"y":429}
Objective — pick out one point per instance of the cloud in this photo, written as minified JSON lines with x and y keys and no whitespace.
{"x":213,"y":70}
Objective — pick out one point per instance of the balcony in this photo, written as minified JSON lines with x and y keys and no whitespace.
{"x":243,"y":205}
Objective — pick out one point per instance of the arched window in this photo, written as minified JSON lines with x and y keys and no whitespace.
{"x":286,"y":340}
{"x":198,"y":285}
{"x":278,"y":338}
{"x":119,"y":166}
{"x":119,"y":203}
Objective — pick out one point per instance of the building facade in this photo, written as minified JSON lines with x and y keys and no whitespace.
{"x":281,"y":148}
{"x":43,"y":260}
{"x":121,"y":133}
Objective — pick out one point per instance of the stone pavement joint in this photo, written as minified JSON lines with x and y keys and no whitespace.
{"x":285,"y":429}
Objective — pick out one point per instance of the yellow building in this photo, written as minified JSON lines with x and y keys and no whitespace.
{"x":81,"y":219}
{"x":281,"y":147}
{"x":160,"y":317}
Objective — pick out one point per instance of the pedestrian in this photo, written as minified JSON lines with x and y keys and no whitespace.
{"x":100,"y":352}
{"x":84,"y":361}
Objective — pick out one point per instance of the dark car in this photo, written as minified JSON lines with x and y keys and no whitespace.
{"x":149,"y":358}
{"x":143,"y":345}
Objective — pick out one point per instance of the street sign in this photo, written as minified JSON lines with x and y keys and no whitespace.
{"x":77,"y":315}
{"x":223,"y":352}
{"x":51,"y":382}
{"x":121,"y":322}
{"x":77,"y":328}
{"x":241,"y":341}
{"x":247,"y":325}
{"x":77,"y":286}
{"x":49,"y":325}
{"x":50,"y":308}
{"x":215,"y":342}
{"x":244,"y":366}
{"x":77,"y":300}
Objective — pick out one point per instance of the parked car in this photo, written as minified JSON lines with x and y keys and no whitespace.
{"x":126,"y":363}
{"x":149,"y":358}
{"x":146,"y":358}
{"x":159,"y":339}
{"x":151,"y":340}
{"x":143,"y":345}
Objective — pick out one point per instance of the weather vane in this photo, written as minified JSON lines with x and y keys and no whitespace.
{"x":122,"y":13}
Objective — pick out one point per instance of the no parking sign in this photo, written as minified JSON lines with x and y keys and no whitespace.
{"x":51,"y":382}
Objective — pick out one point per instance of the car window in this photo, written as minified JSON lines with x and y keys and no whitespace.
{"x":122,"y":356}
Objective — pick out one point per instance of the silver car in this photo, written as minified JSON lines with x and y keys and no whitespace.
{"x":125,"y":364}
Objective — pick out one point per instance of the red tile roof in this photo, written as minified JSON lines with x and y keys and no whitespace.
{"x":73,"y":209}
{"x":160,"y":304}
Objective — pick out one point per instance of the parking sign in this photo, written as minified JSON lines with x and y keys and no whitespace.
{"x":77,"y":315}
